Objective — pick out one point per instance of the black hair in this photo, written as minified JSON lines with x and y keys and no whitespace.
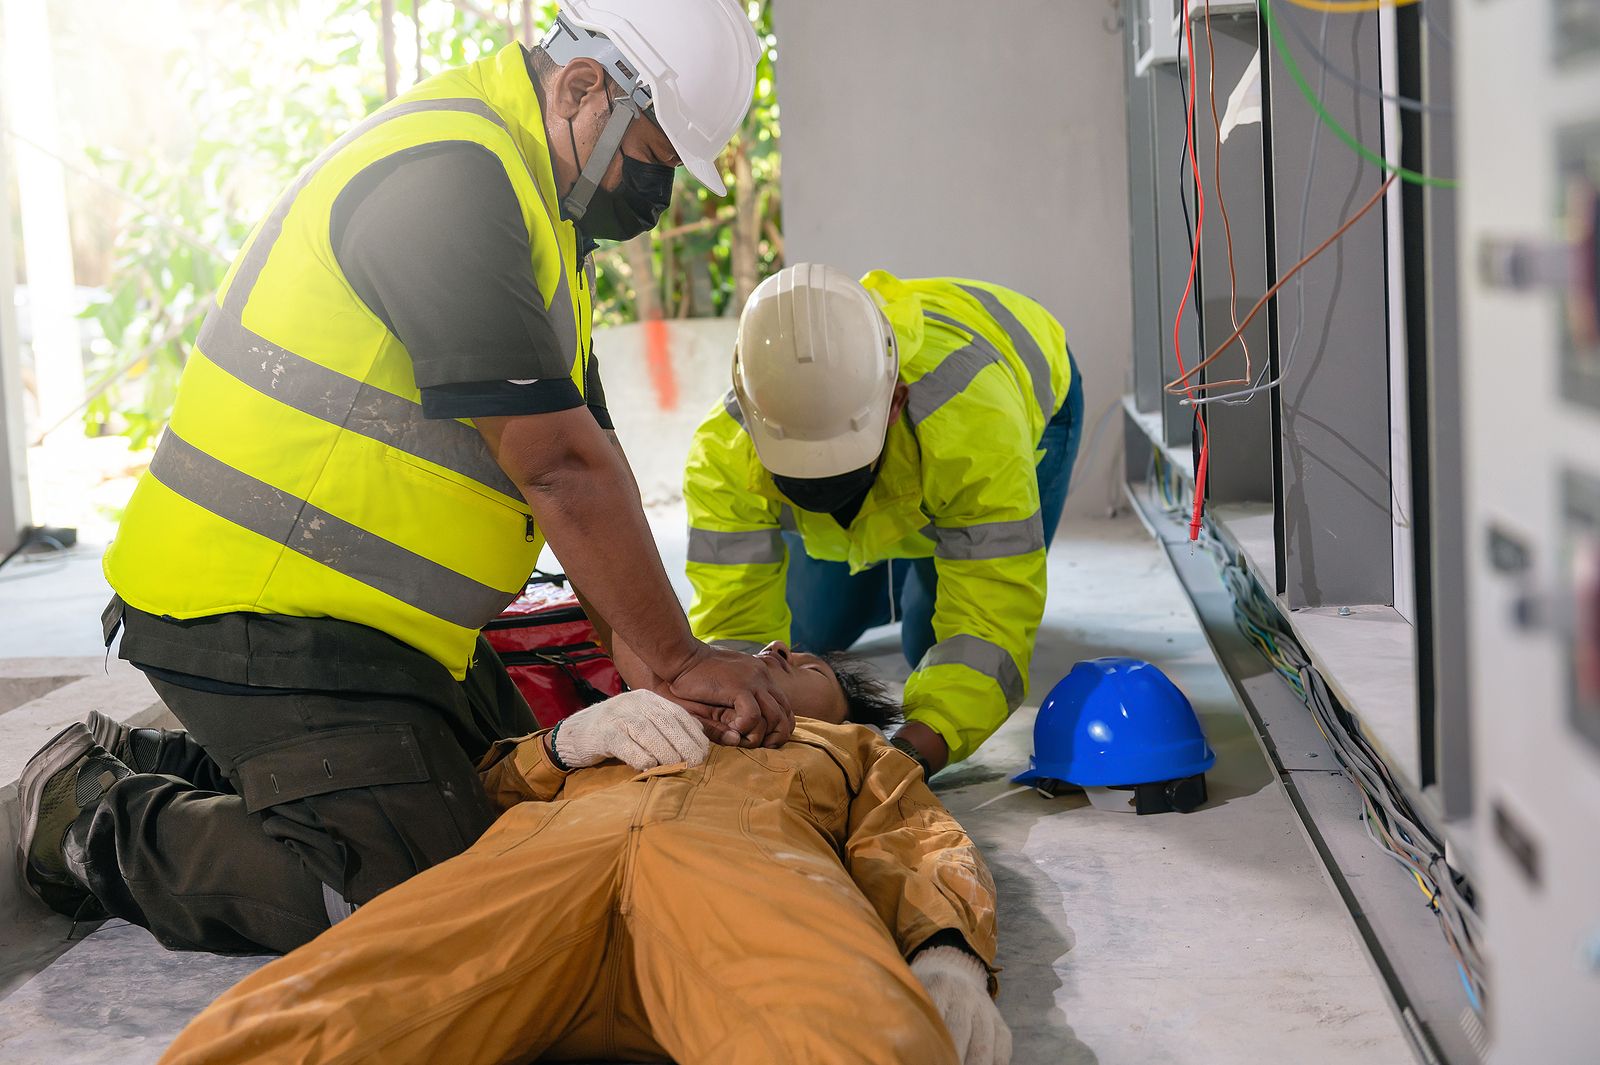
{"x":543,"y":66}
{"x":866,"y":696}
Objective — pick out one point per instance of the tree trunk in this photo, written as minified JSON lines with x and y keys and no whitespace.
{"x":669,"y":268}
{"x":641,"y":264}
{"x":391,"y":69}
{"x":745,"y":250}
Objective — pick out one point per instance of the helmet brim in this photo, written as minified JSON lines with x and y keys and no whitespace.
{"x":705,"y":171}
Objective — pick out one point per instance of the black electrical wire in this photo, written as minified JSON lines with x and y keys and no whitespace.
{"x":22,"y":545}
{"x":1183,"y":159}
{"x":1406,"y":103}
{"x":1188,"y":231}
{"x":31,"y":537}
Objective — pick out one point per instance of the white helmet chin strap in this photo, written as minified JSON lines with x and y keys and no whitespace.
{"x":565,"y":43}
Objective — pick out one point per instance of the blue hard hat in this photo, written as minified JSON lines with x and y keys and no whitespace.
{"x":1116,"y":721}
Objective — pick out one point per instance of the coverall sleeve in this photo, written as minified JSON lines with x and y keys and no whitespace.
{"x":981,"y":489}
{"x":737,"y":559}
{"x":517,"y":771}
{"x":913,"y":861}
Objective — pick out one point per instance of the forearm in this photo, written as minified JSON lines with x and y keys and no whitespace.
{"x":974,"y":676}
{"x":585,"y":501}
{"x":602,"y":627}
{"x":915,"y":863}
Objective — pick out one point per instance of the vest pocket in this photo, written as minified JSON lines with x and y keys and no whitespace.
{"x":468,"y":486}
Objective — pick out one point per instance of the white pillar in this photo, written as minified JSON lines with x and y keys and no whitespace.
{"x":16,"y":511}
{"x":30,"y":92}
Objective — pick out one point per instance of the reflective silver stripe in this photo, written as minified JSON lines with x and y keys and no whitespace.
{"x":343,"y":401}
{"x":730,"y":403}
{"x":786,"y":519}
{"x":338,"y":907}
{"x":748,"y":647}
{"x":735,"y":548}
{"x":1027,"y":348}
{"x":947,"y":380}
{"x":994,"y":539}
{"x":255,"y":256}
{"x":285,"y":519}
{"x":990,"y":659}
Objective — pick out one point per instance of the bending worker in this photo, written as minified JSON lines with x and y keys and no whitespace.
{"x":891,"y":450}
{"x":650,"y":897}
{"x":392,"y":405}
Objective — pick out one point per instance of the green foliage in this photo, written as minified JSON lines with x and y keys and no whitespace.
{"x":695,"y":276}
{"x":263,"y":112}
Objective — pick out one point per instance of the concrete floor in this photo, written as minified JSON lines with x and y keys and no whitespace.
{"x":1196,"y":939}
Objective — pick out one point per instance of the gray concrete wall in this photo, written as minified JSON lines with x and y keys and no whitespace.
{"x":934,"y":137}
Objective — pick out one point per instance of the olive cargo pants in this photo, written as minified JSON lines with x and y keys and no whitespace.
{"x":279,"y":808}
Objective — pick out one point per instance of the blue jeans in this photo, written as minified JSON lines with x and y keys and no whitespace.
{"x":832,"y":608}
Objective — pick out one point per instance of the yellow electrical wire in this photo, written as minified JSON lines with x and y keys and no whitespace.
{"x":1350,"y":7}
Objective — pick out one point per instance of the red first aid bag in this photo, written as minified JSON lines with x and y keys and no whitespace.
{"x":552,"y":652}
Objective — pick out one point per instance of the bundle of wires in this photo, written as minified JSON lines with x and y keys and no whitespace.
{"x":1390,"y":820}
{"x":1187,"y":383}
{"x":1387,"y":816}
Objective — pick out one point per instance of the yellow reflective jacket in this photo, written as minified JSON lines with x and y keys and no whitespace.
{"x":987,"y":370}
{"x":298,"y":475}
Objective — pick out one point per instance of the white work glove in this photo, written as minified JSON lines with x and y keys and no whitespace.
{"x":959,"y":986}
{"x":638,"y":727}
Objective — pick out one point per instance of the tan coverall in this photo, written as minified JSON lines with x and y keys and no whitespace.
{"x":755,"y":909}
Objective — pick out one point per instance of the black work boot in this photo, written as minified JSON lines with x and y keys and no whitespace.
{"x":59,"y":790}
{"x":137,"y":748}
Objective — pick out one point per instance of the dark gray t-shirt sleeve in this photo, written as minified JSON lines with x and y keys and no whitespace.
{"x":432,"y":240}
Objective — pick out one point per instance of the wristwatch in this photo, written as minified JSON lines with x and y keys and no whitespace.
{"x":899,"y":743}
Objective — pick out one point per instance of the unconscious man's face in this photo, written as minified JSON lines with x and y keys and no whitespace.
{"x":812,"y":687}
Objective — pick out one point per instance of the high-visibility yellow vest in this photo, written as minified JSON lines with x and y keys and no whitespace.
{"x":298,"y":475}
{"x":987,"y":369}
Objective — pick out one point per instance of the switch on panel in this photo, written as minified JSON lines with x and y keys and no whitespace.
{"x":1578,"y":149}
{"x":1581,"y":557}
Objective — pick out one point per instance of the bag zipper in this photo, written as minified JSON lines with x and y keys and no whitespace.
{"x":553,"y":656}
{"x":526,"y":621}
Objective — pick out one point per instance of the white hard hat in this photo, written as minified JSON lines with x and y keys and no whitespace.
{"x":814,"y":372}
{"x":694,"y":61}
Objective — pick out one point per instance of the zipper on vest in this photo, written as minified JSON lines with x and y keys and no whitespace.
{"x":529,"y":535}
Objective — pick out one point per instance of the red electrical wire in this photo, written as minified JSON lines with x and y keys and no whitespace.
{"x":1188,"y":288}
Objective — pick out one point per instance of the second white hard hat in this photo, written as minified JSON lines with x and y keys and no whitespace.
{"x":698,"y":60}
{"x":814,"y":372}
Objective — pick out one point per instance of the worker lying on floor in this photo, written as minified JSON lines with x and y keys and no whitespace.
{"x":891,"y":450}
{"x":699,"y":904}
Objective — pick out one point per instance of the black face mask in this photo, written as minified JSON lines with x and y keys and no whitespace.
{"x":634,"y":206}
{"x":825,"y":495}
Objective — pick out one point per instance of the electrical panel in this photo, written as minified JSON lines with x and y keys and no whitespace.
{"x":1155,"y":34}
{"x":1294,"y":209}
{"x":1530,"y":346}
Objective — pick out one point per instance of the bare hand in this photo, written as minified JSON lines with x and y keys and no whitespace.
{"x":751,"y":705}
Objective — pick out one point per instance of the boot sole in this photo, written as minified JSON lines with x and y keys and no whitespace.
{"x":51,"y":759}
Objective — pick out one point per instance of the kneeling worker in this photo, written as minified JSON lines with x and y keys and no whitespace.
{"x":393,"y":403}
{"x":891,"y":450}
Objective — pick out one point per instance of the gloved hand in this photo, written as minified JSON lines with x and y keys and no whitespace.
{"x":959,"y":986}
{"x":638,"y":727}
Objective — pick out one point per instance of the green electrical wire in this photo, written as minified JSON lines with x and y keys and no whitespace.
{"x":1412,"y":176}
